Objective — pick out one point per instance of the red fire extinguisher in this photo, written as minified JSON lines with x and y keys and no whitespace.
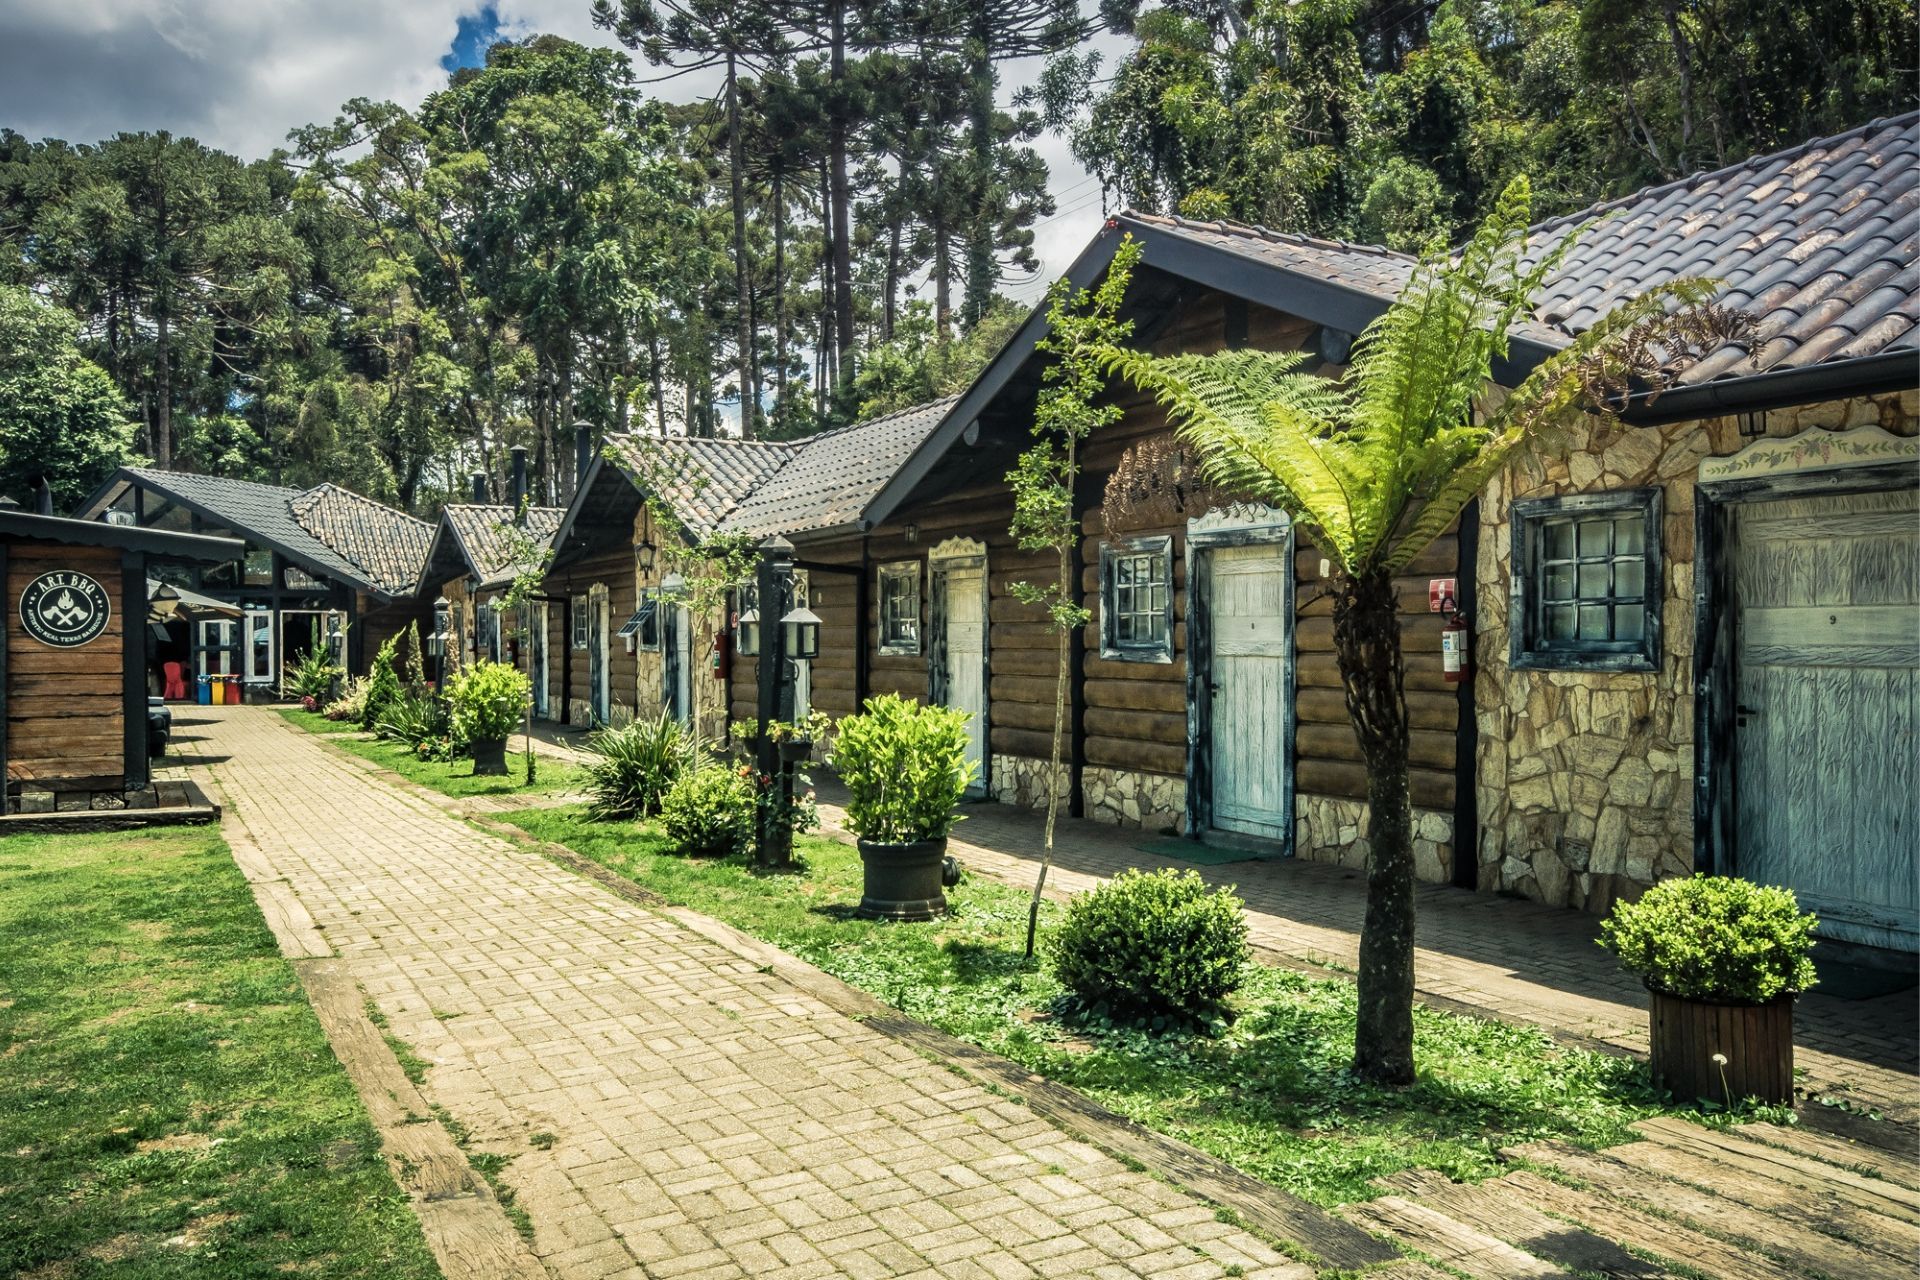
{"x":1453,"y":642}
{"x":722,"y":661}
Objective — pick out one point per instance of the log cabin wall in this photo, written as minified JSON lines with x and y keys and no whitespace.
{"x":66,"y":708}
{"x":614,"y":570}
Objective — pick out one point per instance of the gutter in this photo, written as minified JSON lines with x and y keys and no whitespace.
{"x":1779,"y":389}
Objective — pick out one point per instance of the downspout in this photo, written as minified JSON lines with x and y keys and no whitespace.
{"x":1466,"y":734}
{"x":862,"y":601}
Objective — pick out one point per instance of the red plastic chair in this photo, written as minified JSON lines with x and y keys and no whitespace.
{"x":176,"y":681}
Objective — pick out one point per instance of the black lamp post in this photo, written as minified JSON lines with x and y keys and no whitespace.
{"x":437,"y":642}
{"x":773,"y":838}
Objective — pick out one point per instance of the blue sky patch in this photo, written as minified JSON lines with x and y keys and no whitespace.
{"x":477,"y":33}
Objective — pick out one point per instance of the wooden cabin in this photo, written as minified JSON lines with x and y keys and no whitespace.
{"x":479,"y":550}
{"x":312,"y":557}
{"x":74,"y":658}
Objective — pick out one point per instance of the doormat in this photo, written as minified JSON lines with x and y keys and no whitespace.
{"x":1845,"y":981}
{"x":1206,"y":855}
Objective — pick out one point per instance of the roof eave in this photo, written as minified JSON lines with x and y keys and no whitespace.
{"x":71,"y":531}
{"x":1876,"y":374}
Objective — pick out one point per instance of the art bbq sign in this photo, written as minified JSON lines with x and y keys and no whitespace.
{"x":64,"y":609}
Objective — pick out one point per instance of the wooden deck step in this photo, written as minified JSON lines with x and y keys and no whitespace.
{"x":1795,"y":1230}
{"x":1496,"y":1210}
{"x":1751,"y":1159}
{"x":1452,"y":1243}
{"x":1904,"y":1170}
{"x":1615,"y":1221}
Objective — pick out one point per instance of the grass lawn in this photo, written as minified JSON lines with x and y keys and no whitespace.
{"x":169,"y":1106}
{"x":1270,"y":1095}
{"x":452,"y":777}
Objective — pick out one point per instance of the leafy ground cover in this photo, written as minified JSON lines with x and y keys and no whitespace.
{"x":451,"y":777}
{"x":1269,"y":1091}
{"x":169,"y":1105}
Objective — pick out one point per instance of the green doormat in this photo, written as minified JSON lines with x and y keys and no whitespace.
{"x":1206,"y":855}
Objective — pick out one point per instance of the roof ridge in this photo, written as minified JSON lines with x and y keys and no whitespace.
{"x":1230,"y":226}
{"x":1701,"y":177}
{"x":207,"y":475}
{"x":874,"y":422}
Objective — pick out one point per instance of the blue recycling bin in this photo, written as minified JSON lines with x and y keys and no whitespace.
{"x":203,"y":691}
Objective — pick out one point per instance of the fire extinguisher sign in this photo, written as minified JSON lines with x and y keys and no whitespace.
{"x":1442,"y":595}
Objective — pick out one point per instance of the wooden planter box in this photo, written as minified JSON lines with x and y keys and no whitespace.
{"x":1755,"y":1039}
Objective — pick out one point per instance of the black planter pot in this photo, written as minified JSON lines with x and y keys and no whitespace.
{"x":903,"y":880}
{"x":490,"y":757}
{"x":794,"y":750}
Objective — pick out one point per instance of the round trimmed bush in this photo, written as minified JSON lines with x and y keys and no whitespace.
{"x":1152,"y":944}
{"x":708,"y":811}
{"x":1714,"y":938}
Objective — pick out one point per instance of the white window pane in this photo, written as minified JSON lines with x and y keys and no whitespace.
{"x":1629,"y":622}
{"x":1630,"y":535}
{"x":1559,"y":540}
{"x":1559,"y":583}
{"x":1595,"y":538}
{"x":1594,"y":579}
{"x":1593,"y":622}
{"x":1629,"y":578}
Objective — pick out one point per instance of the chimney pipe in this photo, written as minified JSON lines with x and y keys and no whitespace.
{"x":519,"y":482}
{"x":582,"y":450}
{"x":43,"y":498}
{"x":479,"y":488}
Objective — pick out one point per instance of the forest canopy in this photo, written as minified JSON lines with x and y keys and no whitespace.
{"x":405,"y":292}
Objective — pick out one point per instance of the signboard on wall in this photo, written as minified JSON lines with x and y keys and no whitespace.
{"x":64,"y":609}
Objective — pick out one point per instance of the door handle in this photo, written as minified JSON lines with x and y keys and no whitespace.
{"x":1741,"y":713}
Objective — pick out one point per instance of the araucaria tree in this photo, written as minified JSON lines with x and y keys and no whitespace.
{"x":1377,"y":465}
{"x":1083,"y":328}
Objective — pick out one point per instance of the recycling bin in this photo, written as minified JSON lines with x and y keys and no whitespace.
{"x":203,"y":691}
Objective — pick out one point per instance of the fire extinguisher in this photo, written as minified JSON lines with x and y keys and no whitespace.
{"x":722,"y":661}
{"x":1453,"y":642}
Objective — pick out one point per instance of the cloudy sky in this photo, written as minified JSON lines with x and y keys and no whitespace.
{"x":238,"y":74}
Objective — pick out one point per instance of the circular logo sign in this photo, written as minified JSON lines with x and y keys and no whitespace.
{"x":64,"y":609}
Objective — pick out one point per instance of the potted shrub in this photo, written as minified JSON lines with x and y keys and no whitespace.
{"x":905,"y":768}
{"x":486,"y":701}
{"x":1722,"y":960}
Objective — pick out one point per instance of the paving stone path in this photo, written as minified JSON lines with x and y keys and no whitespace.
{"x":671,"y":1110}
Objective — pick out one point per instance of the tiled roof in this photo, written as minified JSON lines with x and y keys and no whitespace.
{"x":1818,"y":243}
{"x":388,"y":546}
{"x":332,"y":530}
{"x":701,"y":481}
{"x":836,"y":474}
{"x":481,"y":531}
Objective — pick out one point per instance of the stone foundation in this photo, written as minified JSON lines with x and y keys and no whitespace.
{"x":1332,"y":829}
{"x":1147,"y":801}
{"x":1586,"y":778}
{"x":1021,"y":781}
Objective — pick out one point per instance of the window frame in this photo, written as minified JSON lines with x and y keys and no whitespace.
{"x":1529,"y":650}
{"x":1112,"y":648}
{"x":891,"y":644}
{"x":581,"y":634}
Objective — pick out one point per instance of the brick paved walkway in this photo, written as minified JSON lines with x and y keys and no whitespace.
{"x":1515,"y":958}
{"x":670,"y":1109}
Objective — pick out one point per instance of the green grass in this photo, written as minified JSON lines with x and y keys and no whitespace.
{"x":169,"y":1106}
{"x":1270,"y":1094}
{"x":451,"y":777}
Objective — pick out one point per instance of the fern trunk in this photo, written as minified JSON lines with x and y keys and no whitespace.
{"x":1061,"y":675}
{"x":1366,"y":633}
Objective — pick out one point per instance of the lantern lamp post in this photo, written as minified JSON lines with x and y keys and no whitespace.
{"x":776,"y":646}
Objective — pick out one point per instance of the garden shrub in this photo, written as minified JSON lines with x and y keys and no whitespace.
{"x":905,"y":767}
{"x":632,"y":766}
{"x":1714,"y":938}
{"x":383,"y":684}
{"x":417,"y":723}
{"x":708,"y":811}
{"x":487,"y":701}
{"x":352,"y":700}
{"x":1152,"y":944}
{"x":310,"y":677}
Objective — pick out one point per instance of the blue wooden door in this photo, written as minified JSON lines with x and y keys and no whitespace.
{"x":1826,"y":784}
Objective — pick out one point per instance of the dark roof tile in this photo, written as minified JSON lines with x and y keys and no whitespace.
{"x":835,"y":475}
{"x":492,"y":554}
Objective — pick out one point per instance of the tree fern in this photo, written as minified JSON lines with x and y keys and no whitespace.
{"x":1375,"y":467}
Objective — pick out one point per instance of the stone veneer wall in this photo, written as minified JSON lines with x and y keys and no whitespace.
{"x":1332,"y":829}
{"x":1144,"y":801}
{"x":1586,"y":778}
